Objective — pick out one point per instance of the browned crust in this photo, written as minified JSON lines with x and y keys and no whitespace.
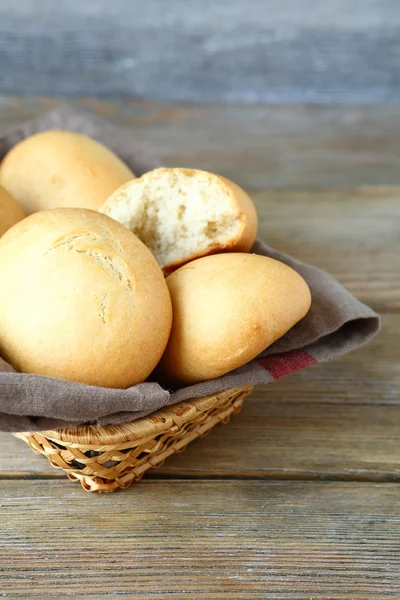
{"x":60,"y":168}
{"x":269,"y":300}
{"x":216,"y":249}
{"x":243,"y":242}
{"x":10,"y":211}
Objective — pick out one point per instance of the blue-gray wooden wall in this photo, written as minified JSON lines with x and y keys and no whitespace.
{"x":319,"y":51}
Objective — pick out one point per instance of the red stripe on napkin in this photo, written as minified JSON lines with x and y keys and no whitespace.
{"x":284,"y":364}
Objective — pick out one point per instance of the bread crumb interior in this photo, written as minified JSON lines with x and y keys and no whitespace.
{"x":177,"y":215}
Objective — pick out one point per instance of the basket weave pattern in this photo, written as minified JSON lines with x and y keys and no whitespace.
{"x":104,"y":459}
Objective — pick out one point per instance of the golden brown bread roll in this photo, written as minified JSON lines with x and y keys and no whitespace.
{"x":54,"y":169}
{"x":10,"y":211}
{"x":182,"y":214}
{"x":227,"y":309}
{"x":81,"y":298}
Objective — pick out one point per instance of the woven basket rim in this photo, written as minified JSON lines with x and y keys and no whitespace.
{"x":108,"y":467}
{"x":158,"y":422}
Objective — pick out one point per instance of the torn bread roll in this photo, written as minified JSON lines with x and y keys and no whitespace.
{"x":182,"y":214}
{"x":228,"y":308}
{"x":10,"y":211}
{"x":54,"y":169}
{"x":81,"y":299}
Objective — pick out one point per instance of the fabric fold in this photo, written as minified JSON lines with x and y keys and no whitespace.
{"x":337,"y":323}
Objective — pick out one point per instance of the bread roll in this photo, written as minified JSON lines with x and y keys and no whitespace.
{"x":81,"y":298}
{"x":227,"y":309}
{"x":182,"y":214}
{"x":10,"y":211}
{"x":55,"y":169}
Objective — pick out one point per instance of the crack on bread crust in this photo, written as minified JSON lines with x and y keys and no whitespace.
{"x":103,"y":307}
{"x":70,"y":238}
{"x":112,"y":264}
{"x":108,"y":236}
{"x":95,"y":236}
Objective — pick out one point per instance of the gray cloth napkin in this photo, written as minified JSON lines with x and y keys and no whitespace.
{"x":336,"y":323}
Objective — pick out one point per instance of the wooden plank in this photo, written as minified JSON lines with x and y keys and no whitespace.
{"x":352,"y":234}
{"x":303,"y":51}
{"x":335,"y":421}
{"x":258,"y":146}
{"x":201,"y":540}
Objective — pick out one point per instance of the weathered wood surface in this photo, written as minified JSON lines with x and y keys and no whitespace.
{"x":338,"y":421}
{"x":353,"y":234}
{"x":259,"y":146}
{"x":303,"y":51}
{"x":201,"y":539}
{"x":214,"y":522}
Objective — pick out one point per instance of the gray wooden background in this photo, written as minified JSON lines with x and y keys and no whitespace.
{"x":321,"y":51}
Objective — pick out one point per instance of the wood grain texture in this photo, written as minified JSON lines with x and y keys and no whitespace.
{"x":203,"y":539}
{"x":258,"y":146}
{"x":303,"y":51}
{"x":336,"y":421}
{"x":214,"y":522}
{"x":352,"y":234}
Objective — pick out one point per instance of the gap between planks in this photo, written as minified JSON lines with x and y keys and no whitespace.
{"x":265,"y":475}
{"x":216,"y":539}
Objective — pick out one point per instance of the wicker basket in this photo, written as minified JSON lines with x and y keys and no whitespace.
{"x":104,"y":459}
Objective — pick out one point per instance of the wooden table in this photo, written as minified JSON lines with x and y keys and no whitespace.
{"x":298,"y":497}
